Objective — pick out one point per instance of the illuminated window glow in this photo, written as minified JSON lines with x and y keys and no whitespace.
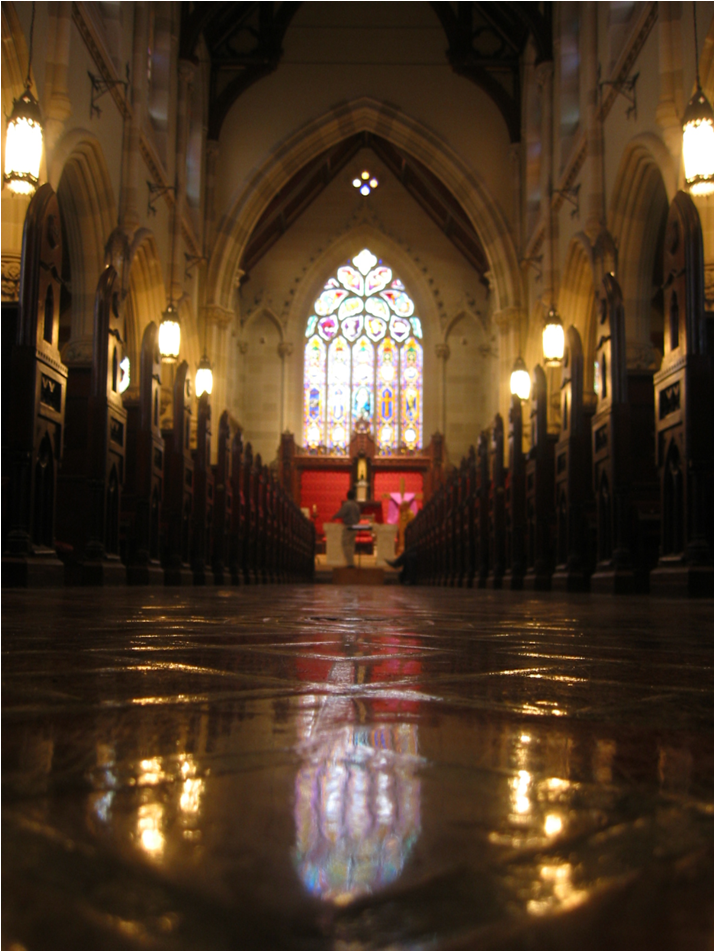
{"x":363,"y":361}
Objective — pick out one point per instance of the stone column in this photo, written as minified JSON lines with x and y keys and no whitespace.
{"x":545,"y":79}
{"x":57,"y":102}
{"x":285,"y":349}
{"x":671,"y":105}
{"x":515,"y":155}
{"x":129,"y":200}
{"x":212,"y":150}
{"x":442,"y":353}
{"x":593,"y":204}
{"x":186,"y":75}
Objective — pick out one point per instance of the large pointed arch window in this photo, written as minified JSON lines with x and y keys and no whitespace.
{"x":363,"y":361}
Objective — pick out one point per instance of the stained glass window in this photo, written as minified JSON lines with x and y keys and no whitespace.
{"x":363,"y":361}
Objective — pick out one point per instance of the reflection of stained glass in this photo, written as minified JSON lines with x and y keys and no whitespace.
{"x":375,"y":328}
{"x":352,"y":306}
{"x":400,"y":303}
{"x":350,"y":279}
{"x":399,"y":328}
{"x":314,"y":390}
{"x":411,"y":388}
{"x":357,"y":799}
{"x":377,"y":306}
{"x":377,"y":280}
{"x":329,"y":300}
{"x":355,"y":380}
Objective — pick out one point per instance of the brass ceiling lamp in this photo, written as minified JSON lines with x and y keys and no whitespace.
{"x":698,"y":135}
{"x":23,"y":143}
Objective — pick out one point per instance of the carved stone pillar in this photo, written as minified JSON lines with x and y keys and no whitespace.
{"x":545,"y":79}
{"x":186,"y":75}
{"x":58,"y":106}
{"x":285,"y":349}
{"x":442,"y":353}
{"x":670,"y":105}
{"x":129,"y":199}
{"x":594,"y":198}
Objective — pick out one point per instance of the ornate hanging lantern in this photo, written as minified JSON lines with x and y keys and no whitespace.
{"x":520,"y":380}
{"x":204,"y":377}
{"x":552,"y":338}
{"x":170,"y":334}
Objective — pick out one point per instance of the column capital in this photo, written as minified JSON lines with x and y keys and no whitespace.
{"x":215,"y":314}
{"x":285,"y":349}
{"x":442,"y":351}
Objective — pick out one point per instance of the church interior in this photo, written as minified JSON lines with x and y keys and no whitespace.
{"x":452,"y":259}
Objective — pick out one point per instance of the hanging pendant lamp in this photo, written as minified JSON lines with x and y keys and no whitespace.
{"x":23,"y":143}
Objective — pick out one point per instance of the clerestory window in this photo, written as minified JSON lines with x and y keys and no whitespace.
{"x":363,"y":361}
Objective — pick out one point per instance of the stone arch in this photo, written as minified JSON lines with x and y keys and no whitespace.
{"x":314,"y":138}
{"x":644,"y":187}
{"x":259,"y":313}
{"x":577,"y":303}
{"x":81,"y":178}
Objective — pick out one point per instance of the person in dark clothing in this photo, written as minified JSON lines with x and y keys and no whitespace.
{"x":408,"y":563}
{"x":349,"y":515}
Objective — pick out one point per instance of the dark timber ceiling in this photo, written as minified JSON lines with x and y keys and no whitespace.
{"x":305,"y":186}
{"x":484,"y":43}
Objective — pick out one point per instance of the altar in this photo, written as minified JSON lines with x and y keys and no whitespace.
{"x":384,"y":538}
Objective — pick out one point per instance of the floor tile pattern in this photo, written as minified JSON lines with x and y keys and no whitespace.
{"x":321,"y":767}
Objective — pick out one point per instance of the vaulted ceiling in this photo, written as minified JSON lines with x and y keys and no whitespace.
{"x":485,"y":42}
{"x":309,"y":181}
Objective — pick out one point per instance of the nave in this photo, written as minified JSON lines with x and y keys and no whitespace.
{"x":334,"y":767}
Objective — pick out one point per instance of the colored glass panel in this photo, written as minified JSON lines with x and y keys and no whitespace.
{"x":411,"y":394}
{"x":329,"y":300}
{"x":399,"y":328}
{"x":375,"y":328}
{"x":328,"y":327}
{"x":314,"y":392}
{"x":364,"y":261}
{"x":377,"y":279}
{"x":338,"y":394}
{"x":386,"y":411}
{"x":352,"y":327}
{"x":346,"y":376}
{"x":400,"y":303}
{"x":351,"y":279}
{"x":352,"y":306}
{"x":378,"y":307}
{"x":363,"y":381}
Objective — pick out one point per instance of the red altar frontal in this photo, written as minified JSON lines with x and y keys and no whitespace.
{"x":319,"y":483}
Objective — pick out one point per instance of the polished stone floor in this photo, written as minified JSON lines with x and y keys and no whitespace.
{"x":325,"y":768}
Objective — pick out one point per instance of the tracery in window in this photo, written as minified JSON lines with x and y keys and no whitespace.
{"x":363,"y":361}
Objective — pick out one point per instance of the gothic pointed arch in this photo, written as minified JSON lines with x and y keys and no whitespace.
{"x":303,"y":146}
